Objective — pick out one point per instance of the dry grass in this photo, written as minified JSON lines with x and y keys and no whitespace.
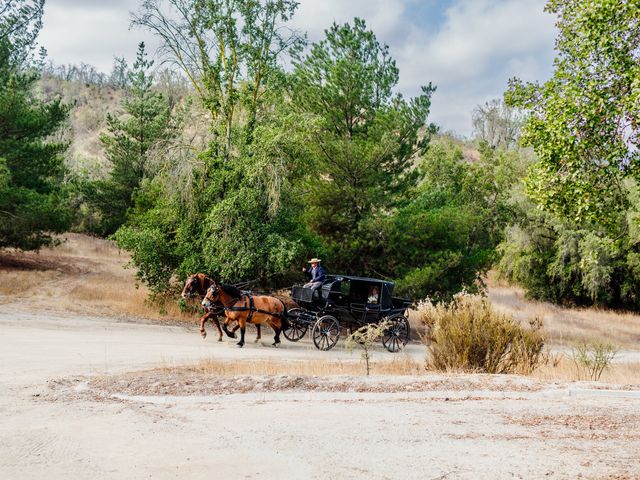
{"x":627,"y":374}
{"x":401,"y":365}
{"x":468,"y":334}
{"x":84,"y":274}
{"x":20,"y":283}
{"x":565,"y":326}
{"x":564,"y":369}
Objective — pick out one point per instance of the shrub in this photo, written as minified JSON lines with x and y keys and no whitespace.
{"x":592,"y":358}
{"x":365,"y":337}
{"x":469,"y":335}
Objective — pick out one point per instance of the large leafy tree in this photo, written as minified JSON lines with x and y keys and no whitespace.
{"x":233,"y":214}
{"x":576,"y":240}
{"x":444,"y":239}
{"x":228,"y":49}
{"x":32,"y":197}
{"x":584,"y":122}
{"x":364,"y":141}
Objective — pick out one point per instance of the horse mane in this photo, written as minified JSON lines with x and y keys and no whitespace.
{"x":235,"y":292}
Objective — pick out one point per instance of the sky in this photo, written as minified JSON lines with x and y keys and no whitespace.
{"x":468,"y":49}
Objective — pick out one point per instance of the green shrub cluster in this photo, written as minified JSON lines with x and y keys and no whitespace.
{"x":469,"y":335}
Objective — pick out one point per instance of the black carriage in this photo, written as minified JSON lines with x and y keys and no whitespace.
{"x":347,"y":302}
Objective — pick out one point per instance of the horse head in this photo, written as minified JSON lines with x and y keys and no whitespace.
{"x":190,"y":287}
{"x":212,"y":297}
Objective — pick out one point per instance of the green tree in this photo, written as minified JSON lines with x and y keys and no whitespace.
{"x":364,"y":141}
{"x":444,"y":239}
{"x":576,"y":238}
{"x":33,"y":201}
{"x":584,"y":122}
{"x":228,"y":49}
{"x":234,"y":214}
{"x":561,"y":261}
{"x":130,"y":143}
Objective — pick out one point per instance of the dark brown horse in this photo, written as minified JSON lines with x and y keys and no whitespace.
{"x":198,"y":284}
{"x":244,"y":307}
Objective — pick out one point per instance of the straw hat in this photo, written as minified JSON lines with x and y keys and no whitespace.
{"x":314,"y":260}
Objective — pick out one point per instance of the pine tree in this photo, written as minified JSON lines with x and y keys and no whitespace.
{"x":130,"y":143}
{"x":32,"y":194}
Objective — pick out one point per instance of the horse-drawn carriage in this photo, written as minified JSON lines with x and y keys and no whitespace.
{"x":347,"y":302}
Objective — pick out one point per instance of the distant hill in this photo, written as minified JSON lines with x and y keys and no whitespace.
{"x":90,"y":104}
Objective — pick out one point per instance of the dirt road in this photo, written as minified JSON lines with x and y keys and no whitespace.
{"x":57,"y":422}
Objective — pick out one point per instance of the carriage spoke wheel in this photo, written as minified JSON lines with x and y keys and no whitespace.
{"x":396,"y":336}
{"x":297,"y":328}
{"x":325,"y":332}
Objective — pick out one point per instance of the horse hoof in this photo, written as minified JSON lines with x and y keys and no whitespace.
{"x":239,"y":344}
{"x":275,"y":344}
{"x":203,"y":335}
{"x":219,"y":339}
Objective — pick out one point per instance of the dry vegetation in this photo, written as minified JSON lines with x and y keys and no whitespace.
{"x":403,"y":374}
{"x":468,"y":334}
{"x":565,"y":326}
{"x":564,"y":369}
{"x":401,"y":365}
{"x":84,"y":275}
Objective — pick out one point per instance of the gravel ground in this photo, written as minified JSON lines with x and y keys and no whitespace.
{"x":97,"y":397}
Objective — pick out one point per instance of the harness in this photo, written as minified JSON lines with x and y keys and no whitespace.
{"x":251,"y":308}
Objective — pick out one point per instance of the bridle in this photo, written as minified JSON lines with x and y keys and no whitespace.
{"x":214,"y":290}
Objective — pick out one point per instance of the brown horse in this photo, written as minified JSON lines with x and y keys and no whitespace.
{"x":198,"y":284}
{"x":244,"y":307}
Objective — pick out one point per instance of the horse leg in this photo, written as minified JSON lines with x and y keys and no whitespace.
{"x":230,"y":334}
{"x":243,"y":326}
{"x":259,"y":336}
{"x":277,"y":329}
{"x":234,"y":329}
{"x":216,"y":322}
{"x":203,"y":319}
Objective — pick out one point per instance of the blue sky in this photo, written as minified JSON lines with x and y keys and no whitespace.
{"x":467,"y":48}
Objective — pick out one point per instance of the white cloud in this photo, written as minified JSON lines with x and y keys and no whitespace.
{"x":383,"y":16}
{"x":479,"y":45}
{"x":92,"y":33}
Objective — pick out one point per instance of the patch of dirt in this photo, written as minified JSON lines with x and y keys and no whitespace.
{"x":182,"y":382}
{"x":42,"y":262}
{"x":583,"y":426}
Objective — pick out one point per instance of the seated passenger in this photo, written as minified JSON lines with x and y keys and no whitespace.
{"x":374,"y":295}
{"x":316,"y":273}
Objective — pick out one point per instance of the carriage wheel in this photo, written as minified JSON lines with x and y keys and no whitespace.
{"x":297,"y":329}
{"x":325,"y":332}
{"x":396,"y":336}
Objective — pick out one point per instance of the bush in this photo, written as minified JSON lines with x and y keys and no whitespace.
{"x":365,"y":337}
{"x":469,"y":335}
{"x":592,"y":358}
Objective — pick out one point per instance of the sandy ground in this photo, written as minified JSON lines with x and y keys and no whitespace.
{"x":88,"y":390}
{"x":69,"y":409}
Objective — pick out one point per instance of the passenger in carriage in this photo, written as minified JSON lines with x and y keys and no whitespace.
{"x":316,"y":273}
{"x":374,"y":295}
